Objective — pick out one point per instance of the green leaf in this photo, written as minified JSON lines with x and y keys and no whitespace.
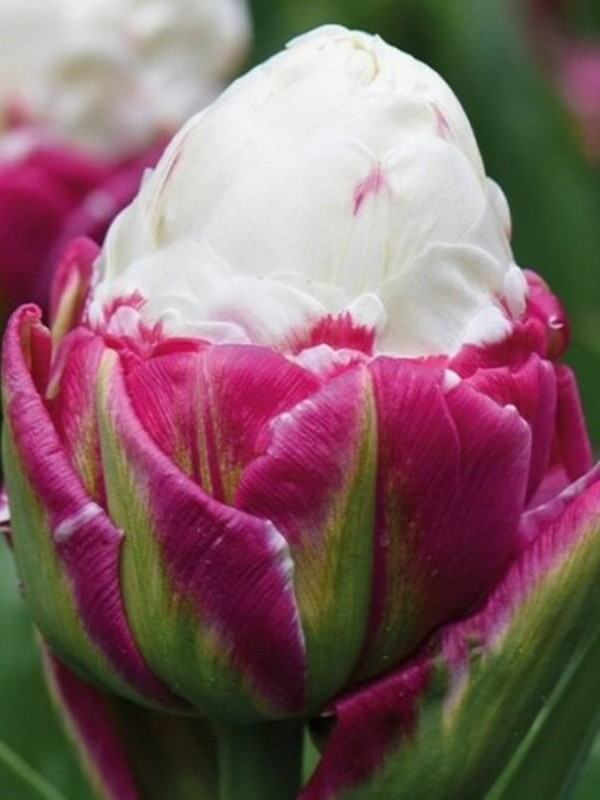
{"x":14,"y":765}
{"x":28,"y":723}
{"x":550,"y":765}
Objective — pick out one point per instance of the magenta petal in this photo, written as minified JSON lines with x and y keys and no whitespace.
{"x":72,"y":405}
{"x":70,"y":285}
{"x":209,"y":409}
{"x":453,"y":469}
{"x":234,"y":569}
{"x":37,"y":193}
{"x":495,"y":448}
{"x":573,"y":449}
{"x":532,"y":390}
{"x":544,"y":307}
{"x":316,"y":482}
{"x":306,"y":459}
{"x":85,"y":542}
{"x":89,"y":721}
{"x":366,"y":726}
{"x":29,"y":223}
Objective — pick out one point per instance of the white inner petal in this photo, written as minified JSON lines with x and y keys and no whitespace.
{"x":340,"y":176}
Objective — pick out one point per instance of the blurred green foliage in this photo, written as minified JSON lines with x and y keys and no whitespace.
{"x":584,"y":15}
{"x":530,"y":147}
{"x":29,"y":725}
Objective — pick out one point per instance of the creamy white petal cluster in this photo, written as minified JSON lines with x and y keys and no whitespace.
{"x":116,"y":73}
{"x":341,"y":176}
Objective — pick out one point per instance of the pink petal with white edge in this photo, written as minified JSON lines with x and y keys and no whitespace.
{"x":82,"y":615}
{"x":452,"y":474}
{"x":532,"y":390}
{"x":316,"y":481}
{"x":209,"y":409}
{"x":543,"y":329}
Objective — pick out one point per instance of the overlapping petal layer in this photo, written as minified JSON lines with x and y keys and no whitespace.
{"x":289,"y":533}
{"x":348,"y":477}
{"x":205,"y":584}
{"x":446,"y":722}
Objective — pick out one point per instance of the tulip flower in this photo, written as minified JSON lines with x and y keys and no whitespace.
{"x":89,"y":95}
{"x":299,"y":445}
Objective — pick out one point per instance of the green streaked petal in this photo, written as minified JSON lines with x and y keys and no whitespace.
{"x":316,"y":481}
{"x":47,"y":588}
{"x":447,"y":723}
{"x":207,"y":588}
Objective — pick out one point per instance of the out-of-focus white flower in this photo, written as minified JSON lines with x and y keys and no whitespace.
{"x":341,"y":176}
{"x":116,"y":73}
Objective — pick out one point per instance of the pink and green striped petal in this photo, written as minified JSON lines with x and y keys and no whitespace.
{"x":208,"y":588}
{"x":446,"y":723}
{"x":70,"y":286}
{"x":316,"y":481}
{"x":71,"y":401}
{"x":452,"y":472}
{"x":66,"y":549}
{"x":209,"y":408}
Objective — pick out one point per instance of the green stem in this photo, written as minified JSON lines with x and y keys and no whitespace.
{"x":261,"y":762}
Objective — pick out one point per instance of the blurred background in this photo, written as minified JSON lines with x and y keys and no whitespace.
{"x":528,"y":75}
